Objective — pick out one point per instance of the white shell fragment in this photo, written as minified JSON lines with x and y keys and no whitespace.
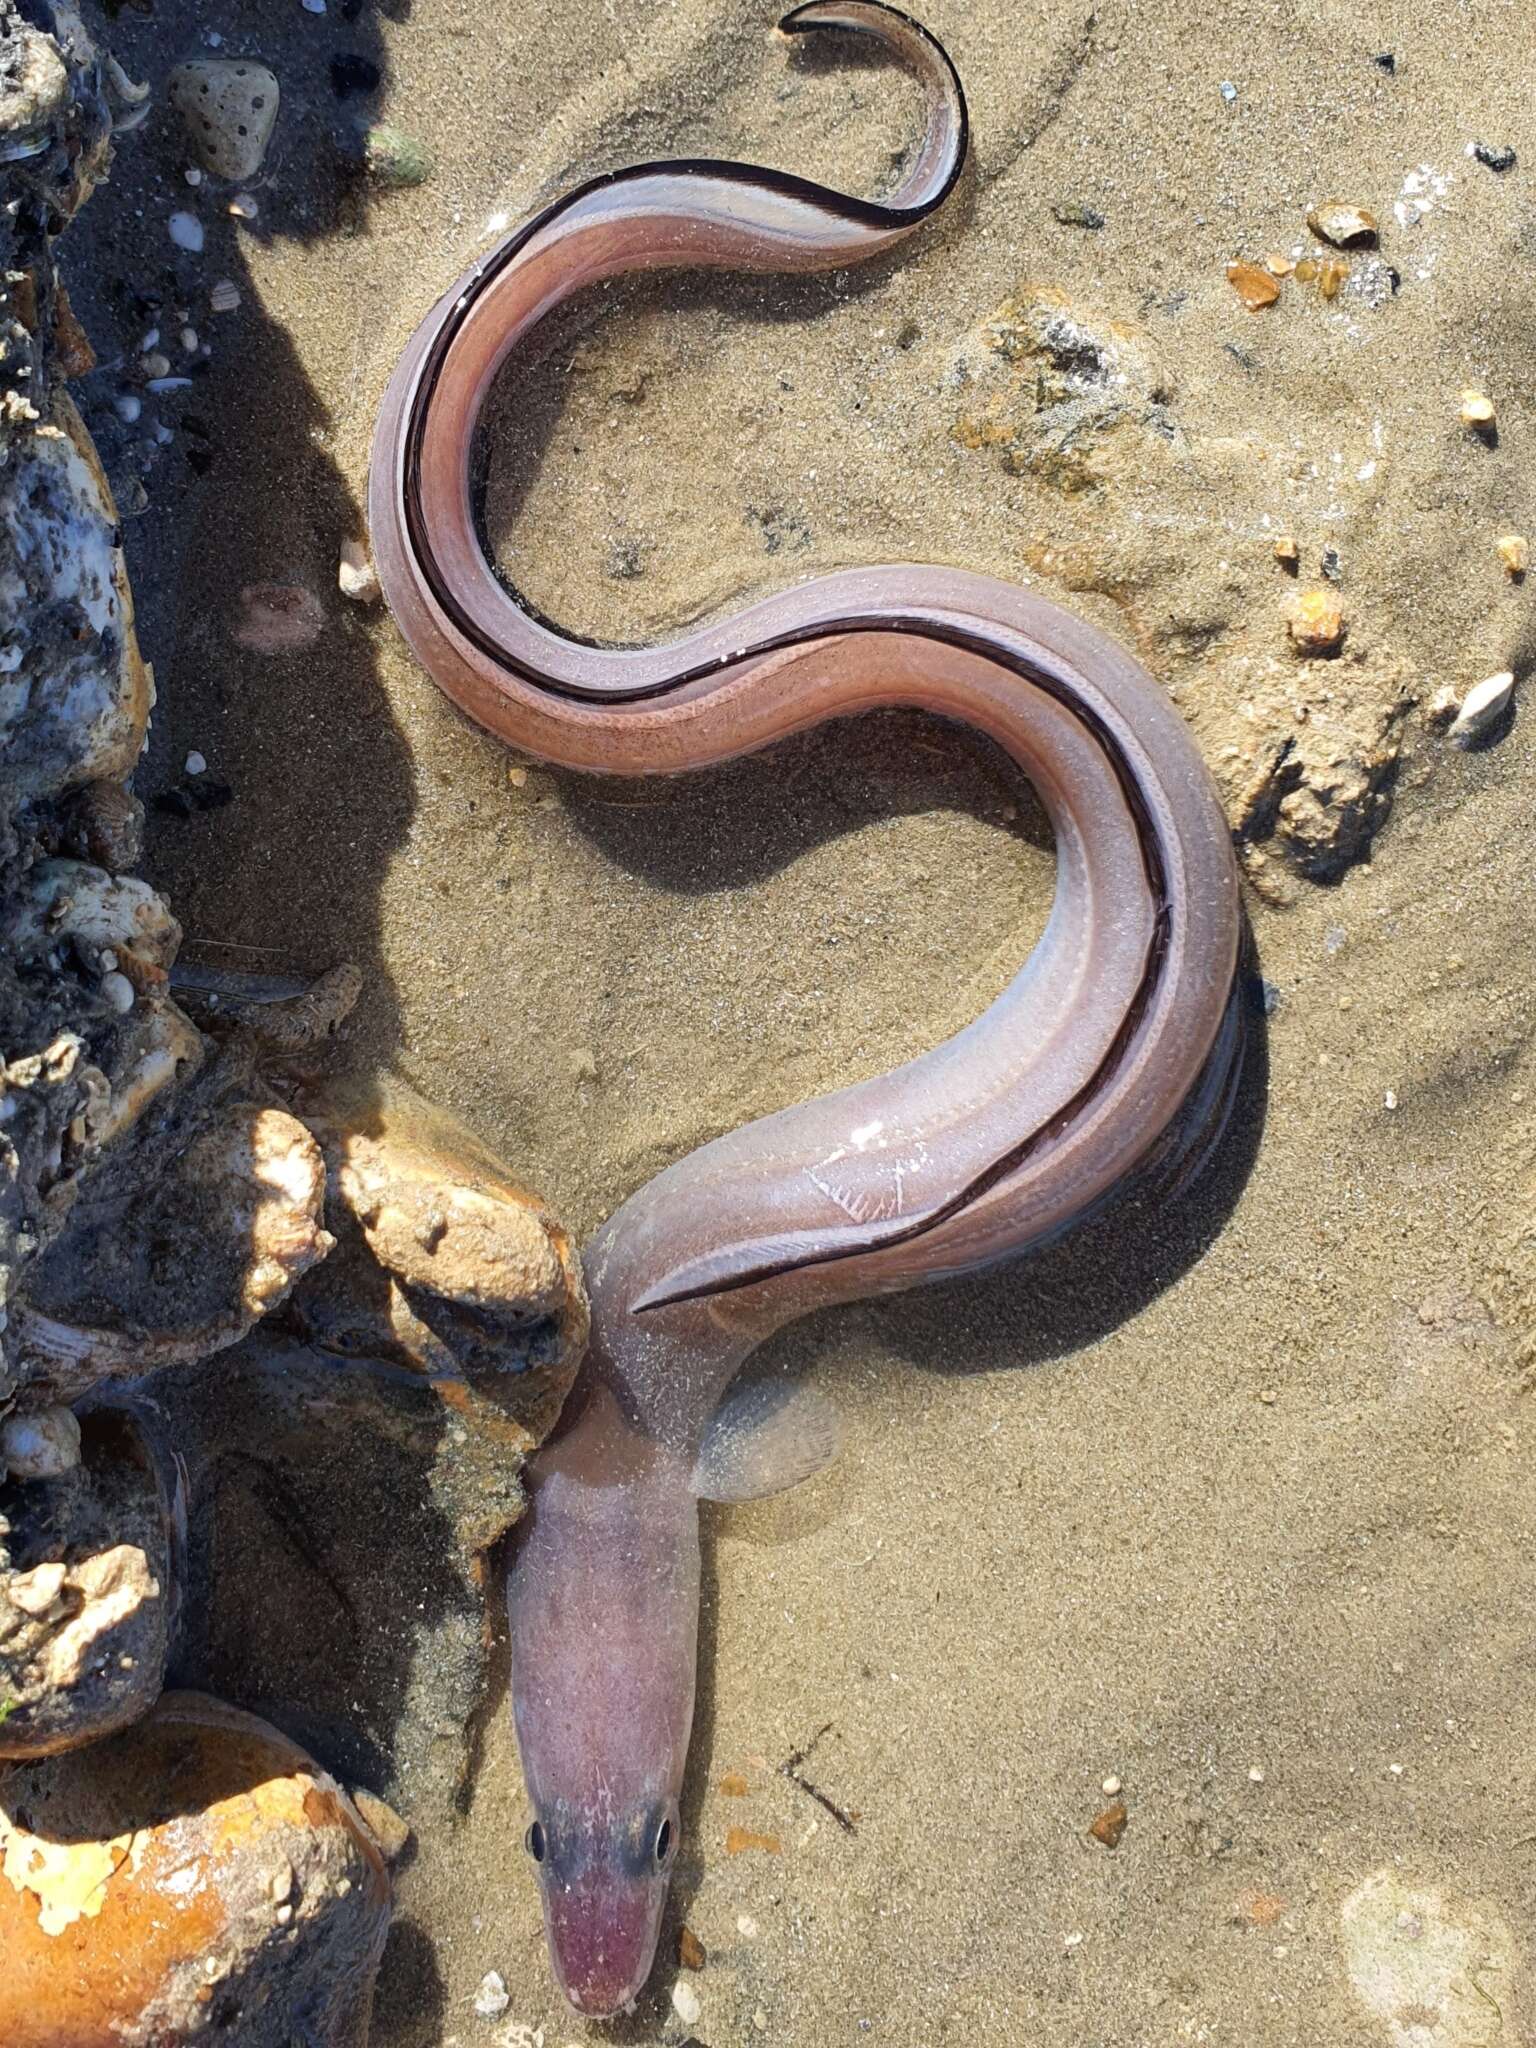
{"x":186,"y":231}
{"x":229,"y":107}
{"x":1482,"y":707}
{"x":356,"y":576}
{"x":40,"y":1445}
{"x":224,"y":297}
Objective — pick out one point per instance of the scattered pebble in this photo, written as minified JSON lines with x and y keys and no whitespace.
{"x":1328,"y":273}
{"x":746,"y":1927}
{"x":1514,"y":551}
{"x":1255,"y":1774}
{"x":228,"y":108}
{"x":1255,"y":287}
{"x":1110,"y":1787}
{"x":1342,"y":223}
{"x":118,"y":991}
{"x":1497,"y":158}
{"x":1071,"y":213}
{"x":1477,"y":410}
{"x":224,"y":297}
{"x":1442,"y":707}
{"x":245,"y":206}
{"x":278,"y":618}
{"x":1110,"y":1825}
{"x":313,"y":6}
{"x":128,"y":407}
{"x":186,"y":231}
{"x":387,"y":1827}
{"x":1279,"y":266}
{"x":1482,"y":707}
{"x":493,"y":1997}
{"x":356,"y":576}
{"x":686,"y":2002}
{"x":1287,"y":551}
{"x":1228,"y":91}
{"x":40,"y":1445}
{"x":691,"y":1952}
{"x":195,"y":763}
{"x":1315,"y":622}
{"x":394,"y":159}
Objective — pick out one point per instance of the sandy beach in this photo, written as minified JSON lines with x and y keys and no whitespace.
{"x":1220,"y":1510}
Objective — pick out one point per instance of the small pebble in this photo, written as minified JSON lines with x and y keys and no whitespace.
{"x":1110,"y":1787}
{"x":691,"y":1952}
{"x":394,"y":159}
{"x":686,"y":2002}
{"x":224,"y":297}
{"x":1477,"y":410}
{"x":1501,"y":158}
{"x":1482,"y":707}
{"x":1071,"y":213}
{"x":1228,"y":91}
{"x":1255,"y":287}
{"x":194,"y":764}
{"x":1287,"y":551}
{"x":313,"y":6}
{"x":493,"y":1997}
{"x":128,"y":407}
{"x":1315,"y":622}
{"x":189,"y":340}
{"x":186,"y":231}
{"x":1389,"y":1100}
{"x":41,"y":1444}
{"x":1340,"y":222}
{"x":193,"y":175}
{"x":1255,"y":1775}
{"x":1514,"y":551}
{"x":1110,"y":1825}
{"x":244,"y":206}
{"x":156,"y":364}
{"x":356,"y":576}
{"x":118,"y":990}
{"x":1279,"y":266}
{"x":746,"y":1927}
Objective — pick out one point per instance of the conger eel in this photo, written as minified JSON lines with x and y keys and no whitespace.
{"x":1114,"y":1045}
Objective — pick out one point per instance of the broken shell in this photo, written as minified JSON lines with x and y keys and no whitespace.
{"x":356,"y":576}
{"x":225,"y":296}
{"x":1514,"y":551}
{"x":1482,"y":707}
{"x":139,"y":1906}
{"x":1341,"y":223}
{"x":1255,"y":287}
{"x":41,"y":1445}
{"x":1331,"y":273}
{"x":1315,"y":622}
{"x":88,"y":1566}
{"x":229,"y":108}
{"x":1477,"y":410}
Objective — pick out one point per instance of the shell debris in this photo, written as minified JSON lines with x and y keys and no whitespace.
{"x":1482,"y":707}
{"x":1340,"y":222}
{"x":1255,"y":287}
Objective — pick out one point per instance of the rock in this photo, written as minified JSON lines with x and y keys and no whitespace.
{"x":1054,"y":389}
{"x":43,"y":1444}
{"x":1340,"y":222}
{"x":1514,"y":551}
{"x":356,"y":576}
{"x":1255,"y":287}
{"x":170,"y":1273}
{"x":388,"y":1829}
{"x":229,"y":107}
{"x":1497,"y":157}
{"x":87,"y":1566}
{"x":471,"y":1277}
{"x":1477,"y":411}
{"x":394,"y":159}
{"x":1315,"y":621}
{"x":1323,"y":789}
{"x":196,"y":1880}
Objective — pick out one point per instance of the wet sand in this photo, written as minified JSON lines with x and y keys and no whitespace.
{"x":1226,"y":1499}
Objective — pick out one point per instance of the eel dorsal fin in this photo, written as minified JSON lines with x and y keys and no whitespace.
{"x":766,"y":1436}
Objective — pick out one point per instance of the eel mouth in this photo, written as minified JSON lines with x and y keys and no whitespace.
{"x":602,"y":1940}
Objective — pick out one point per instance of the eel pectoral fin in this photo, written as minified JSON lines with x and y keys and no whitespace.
{"x":766,"y":1436}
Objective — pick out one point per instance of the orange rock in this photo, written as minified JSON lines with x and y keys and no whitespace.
{"x":1110,"y":1825}
{"x":195,"y":1878}
{"x":1315,"y":622}
{"x":1255,"y":287}
{"x":1258,"y":1909}
{"x":691,"y":1952}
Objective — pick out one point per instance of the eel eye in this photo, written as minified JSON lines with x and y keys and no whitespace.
{"x":534,"y":1841}
{"x":662,"y":1849}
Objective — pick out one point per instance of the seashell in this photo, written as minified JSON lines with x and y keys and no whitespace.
{"x":228,"y":107}
{"x":1482,"y":707}
{"x":198,"y":1877}
{"x":89,"y":1563}
{"x":1340,"y":222}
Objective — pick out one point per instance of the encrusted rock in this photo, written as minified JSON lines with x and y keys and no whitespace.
{"x":87,"y":1565}
{"x":228,"y":106}
{"x":1054,"y":388}
{"x":451,"y":1266}
{"x":198,"y":1880}
{"x":160,"y":1274}
{"x":1315,"y":621}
